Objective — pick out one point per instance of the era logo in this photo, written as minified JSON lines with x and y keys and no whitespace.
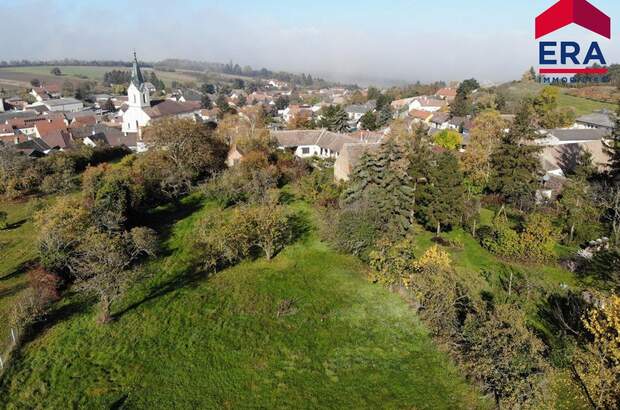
{"x":560,"y":15}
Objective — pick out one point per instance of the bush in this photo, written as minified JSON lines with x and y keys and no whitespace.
{"x":355,"y":230}
{"x":226,"y":238}
{"x":535,"y":243}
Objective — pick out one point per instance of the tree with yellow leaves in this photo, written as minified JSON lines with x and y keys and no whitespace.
{"x":598,"y":367}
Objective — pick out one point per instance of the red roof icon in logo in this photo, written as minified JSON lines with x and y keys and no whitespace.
{"x":579,"y":12}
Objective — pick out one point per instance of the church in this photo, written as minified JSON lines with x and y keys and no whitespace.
{"x":141,"y":110}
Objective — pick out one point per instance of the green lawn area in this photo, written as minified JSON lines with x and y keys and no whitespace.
{"x":91,"y":73}
{"x":188,"y":341}
{"x":583,"y":106}
{"x":17,"y":248}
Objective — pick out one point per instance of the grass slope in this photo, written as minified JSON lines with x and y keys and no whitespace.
{"x":187,"y":342}
{"x":16,"y":251}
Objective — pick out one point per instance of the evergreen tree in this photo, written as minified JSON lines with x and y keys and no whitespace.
{"x":334,"y":118}
{"x":369,"y":121}
{"x":515,"y":162}
{"x":382,"y":181}
{"x":384,"y":116}
{"x":441,"y":200}
{"x":614,"y":151}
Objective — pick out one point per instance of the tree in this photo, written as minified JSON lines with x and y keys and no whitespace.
{"x":579,"y":211}
{"x":441,"y":200}
{"x":548,"y":115}
{"x":35,"y":82}
{"x":205,"y":102}
{"x":108,"y":106}
{"x":56,"y":71}
{"x":222,"y":103}
{"x":384,"y":116}
{"x":382,"y":180}
{"x":515,"y":162}
{"x":282,"y":102}
{"x":462,"y":105}
{"x":448,"y":139}
{"x":597,"y":367}
{"x":484,"y":137}
{"x":193,"y":150}
{"x":369,"y":121}
{"x":614,"y":151}
{"x":504,"y":356}
{"x":207,"y":88}
{"x":101,"y":264}
{"x":334,"y":118}
{"x":270,"y":227}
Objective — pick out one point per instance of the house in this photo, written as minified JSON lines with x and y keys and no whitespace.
{"x":602,"y":119}
{"x":296,"y":110}
{"x":427,"y":104}
{"x":101,"y":134}
{"x":47,"y":126}
{"x":440,"y":121}
{"x":349,"y":158}
{"x":420,"y":116}
{"x":446,"y":93}
{"x":356,"y":112}
{"x":47,"y":92}
{"x":399,"y":105}
{"x":35,"y":147}
{"x":63,"y":104}
{"x":141,"y":111}
{"x":555,"y":137}
{"x":313,"y":143}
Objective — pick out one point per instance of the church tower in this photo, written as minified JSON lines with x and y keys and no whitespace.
{"x":138,"y":101}
{"x":138,"y":94}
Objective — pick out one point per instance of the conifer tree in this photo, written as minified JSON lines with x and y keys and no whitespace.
{"x":614,"y":151}
{"x":382,"y":180}
{"x":442,"y":198}
{"x":515,"y":162}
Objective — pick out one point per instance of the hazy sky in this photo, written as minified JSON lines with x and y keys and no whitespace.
{"x":401,"y":40}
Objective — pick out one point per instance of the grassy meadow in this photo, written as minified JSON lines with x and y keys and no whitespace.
{"x":185,"y":340}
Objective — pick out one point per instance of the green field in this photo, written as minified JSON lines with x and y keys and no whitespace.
{"x":517,"y":91}
{"x":183,"y":340}
{"x":17,"y":249}
{"x":79,"y":72}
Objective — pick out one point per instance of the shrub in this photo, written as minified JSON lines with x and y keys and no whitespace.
{"x":392,"y":261}
{"x":355,"y":230}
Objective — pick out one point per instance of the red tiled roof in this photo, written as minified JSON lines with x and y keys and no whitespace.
{"x":57,"y":138}
{"x":49,"y":126}
{"x":419,"y":114}
{"x":446,"y":92}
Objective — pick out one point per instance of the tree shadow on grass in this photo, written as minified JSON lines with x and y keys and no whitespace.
{"x":163,"y":218}
{"x":13,"y":291}
{"x":190,"y":279}
{"x":57,"y":316}
{"x":20,"y":270}
{"x":14,"y":225}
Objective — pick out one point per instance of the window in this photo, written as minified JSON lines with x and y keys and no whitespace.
{"x":144,"y":97}
{"x":305,"y":151}
{"x":134,"y":98}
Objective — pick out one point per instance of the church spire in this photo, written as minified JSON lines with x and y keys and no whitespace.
{"x":136,"y":74}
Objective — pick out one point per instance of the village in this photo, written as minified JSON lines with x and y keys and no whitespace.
{"x":56,"y":123}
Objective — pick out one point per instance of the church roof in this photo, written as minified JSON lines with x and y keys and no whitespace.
{"x":136,"y":74}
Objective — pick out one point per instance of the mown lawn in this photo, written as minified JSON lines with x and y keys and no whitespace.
{"x":17,"y":249}
{"x":183,"y":340}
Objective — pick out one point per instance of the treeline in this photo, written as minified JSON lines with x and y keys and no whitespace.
{"x":70,"y":62}
{"x":246,"y":71}
{"x":21,"y":176}
{"x":122,"y":77}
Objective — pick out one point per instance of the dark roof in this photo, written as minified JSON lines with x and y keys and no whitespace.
{"x":591,"y":134}
{"x":136,"y":74}
{"x":440,"y":117}
{"x":599,"y":119}
{"x":322,"y":138}
{"x":168,"y":107}
{"x":35,"y":144}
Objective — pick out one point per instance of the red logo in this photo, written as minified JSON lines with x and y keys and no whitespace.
{"x":579,"y":12}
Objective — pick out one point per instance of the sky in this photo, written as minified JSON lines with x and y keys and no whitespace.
{"x":357,"y":41}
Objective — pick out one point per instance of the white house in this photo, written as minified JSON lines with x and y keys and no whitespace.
{"x":314,"y":143}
